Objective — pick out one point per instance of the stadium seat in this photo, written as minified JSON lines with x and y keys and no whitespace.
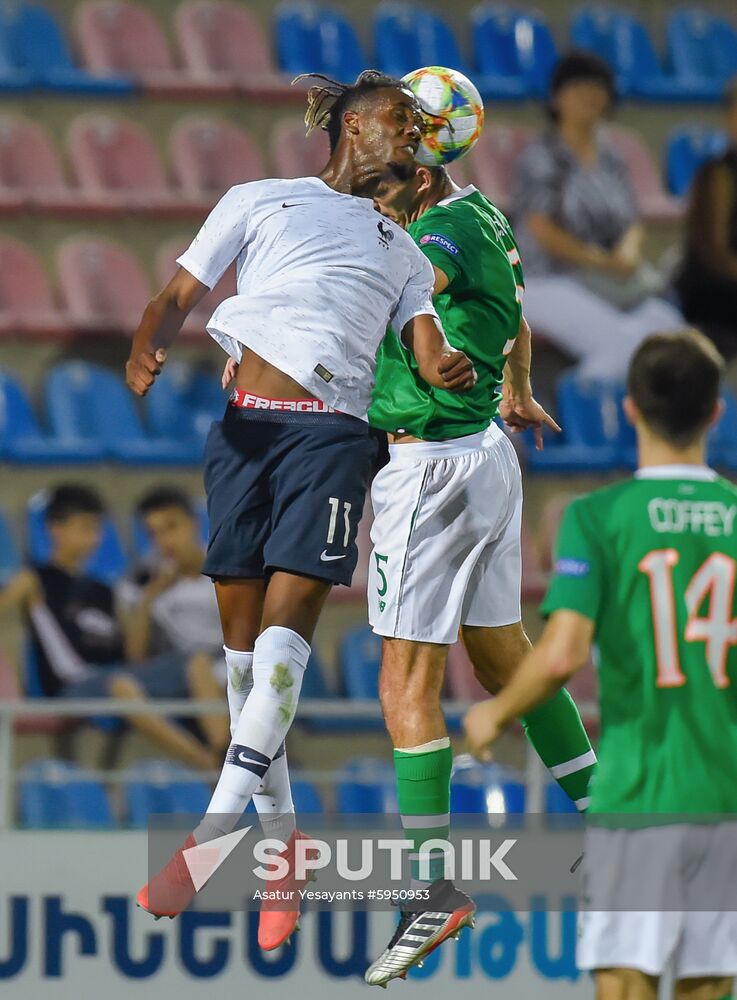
{"x":514,"y":52}
{"x":23,"y":441}
{"x":116,"y":164}
{"x":115,"y":36}
{"x":306,"y":797}
{"x":407,"y":37}
{"x":12,"y":79}
{"x":185,"y":404}
{"x":156,"y":787}
{"x":293,"y":154}
{"x":107,"y":563}
{"x":493,"y":159}
{"x":491,"y":788}
{"x":552,"y":514}
{"x":557,"y":802}
{"x":360,"y":657}
{"x":9,"y":554}
{"x":56,"y":794}
{"x":196,"y":323}
{"x":689,"y":147}
{"x":103,"y":285}
{"x":703,"y":47}
{"x":30,"y":168}
{"x":366,"y":785}
{"x":655,"y":204}
{"x":723,"y":440}
{"x":623,"y":42}
{"x":209,"y":155}
{"x":312,"y":39}
{"x":589,"y":412}
{"x":87,"y":401}
{"x":37,"y":47}
{"x":26,"y":303}
{"x":222,"y":44}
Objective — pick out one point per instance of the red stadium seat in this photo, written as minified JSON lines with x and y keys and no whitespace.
{"x":208,"y":156}
{"x":30,"y":169}
{"x":552,"y":514}
{"x":197,"y":320}
{"x":116,"y":164}
{"x":493,"y":158}
{"x":103,"y":285}
{"x":26,"y":303}
{"x":655,"y":204}
{"x":223,"y":44}
{"x":115,"y":36}
{"x":292,"y":154}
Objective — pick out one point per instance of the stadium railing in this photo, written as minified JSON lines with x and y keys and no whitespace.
{"x":13,"y":710}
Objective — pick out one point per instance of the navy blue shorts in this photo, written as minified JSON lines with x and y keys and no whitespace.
{"x":285,"y":491}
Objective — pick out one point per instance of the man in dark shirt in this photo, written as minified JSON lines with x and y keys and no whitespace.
{"x":78,"y":647}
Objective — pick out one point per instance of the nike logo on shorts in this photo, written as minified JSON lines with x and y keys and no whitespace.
{"x":294,"y":205}
{"x":324,"y":557}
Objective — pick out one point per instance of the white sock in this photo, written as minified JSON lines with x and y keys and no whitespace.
{"x":240,"y":683}
{"x":273,"y":800}
{"x":279,"y":660}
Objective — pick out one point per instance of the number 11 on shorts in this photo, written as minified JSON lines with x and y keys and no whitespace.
{"x":334,"y":511}
{"x":384,"y":585}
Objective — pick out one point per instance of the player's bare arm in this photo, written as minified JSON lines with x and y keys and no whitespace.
{"x":161,"y":322}
{"x":519,"y":409}
{"x":564,"y":648}
{"x":438,"y":363}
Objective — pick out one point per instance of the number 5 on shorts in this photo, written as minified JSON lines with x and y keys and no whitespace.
{"x":384,"y":583}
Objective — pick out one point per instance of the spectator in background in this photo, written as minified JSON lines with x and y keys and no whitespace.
{"x":707,"y":283}
{"x":588,"y":287}
{"x":77,"y":642}
{"x":171,"y":606}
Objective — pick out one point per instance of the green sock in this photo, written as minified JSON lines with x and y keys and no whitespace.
{"x":423,"y":790}
{"x":555,"y":730}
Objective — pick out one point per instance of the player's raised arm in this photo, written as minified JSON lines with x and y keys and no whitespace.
{"x":438,"y":363}
{"x":218,"y":243}
{"x":161,"y":322}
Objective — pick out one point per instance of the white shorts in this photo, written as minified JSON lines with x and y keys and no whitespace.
{"x":683,"y":868}
{"x":446,"y":536}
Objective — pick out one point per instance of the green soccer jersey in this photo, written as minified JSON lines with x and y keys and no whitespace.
{"x":653,"y":563}
{"x":472,"y":243}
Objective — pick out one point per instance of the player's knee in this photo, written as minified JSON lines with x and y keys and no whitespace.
{"x":125,"y":686}
{"x":198,"y":670}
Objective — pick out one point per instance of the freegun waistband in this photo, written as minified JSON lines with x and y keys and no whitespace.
{"x":247,"y":401}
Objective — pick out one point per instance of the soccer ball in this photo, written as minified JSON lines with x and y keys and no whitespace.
{"x":454,"y":112}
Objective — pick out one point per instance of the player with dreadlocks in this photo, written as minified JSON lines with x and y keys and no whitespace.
{"x":320,"y":275}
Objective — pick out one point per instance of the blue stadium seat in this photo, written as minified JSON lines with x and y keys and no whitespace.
{"x":702,"y":47}
{"x":689,"y":147}
{"x":312,"y":39}
{"x":152,"y":788}
{"x":514,"y":52}
{"x":185,"y":403}
{"x":315,"y":686}
{"x":12,"y":80}
{"x":590,"y":415}
{"x":406,"y":38}
{"x":60,"y":795}
{"x":360,"y":658}
{"x":9,"y":555}
{"x":37,"y":47}
{"x":557,"y":802}
{"x":21,"y":438}
{"x":367,"y":785}
{"x":88,"y":402}
{"x":107,"y":563}
{"x":723,"y":441}
{"x":493,"y":788}
{"x":623,"y":42}
{"x":306,"y":798}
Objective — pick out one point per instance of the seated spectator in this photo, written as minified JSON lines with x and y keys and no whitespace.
{"x":77,"y":642}
{"x":588,"y":287}
{"x":171,"y":606}
{"x":707,"y":283}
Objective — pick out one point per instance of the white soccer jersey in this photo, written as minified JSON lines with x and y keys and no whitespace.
{"x":320,"y":277}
